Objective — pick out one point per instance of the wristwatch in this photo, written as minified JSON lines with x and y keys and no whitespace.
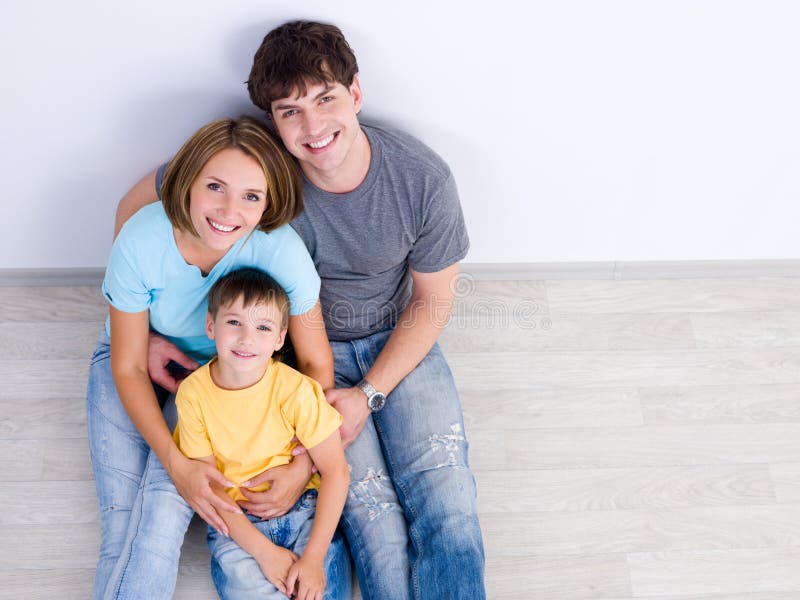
{"x":375,"y":400}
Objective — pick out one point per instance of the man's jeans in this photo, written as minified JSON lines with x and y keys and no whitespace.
{"x":143,"y":518}
{"x":418,"y":443}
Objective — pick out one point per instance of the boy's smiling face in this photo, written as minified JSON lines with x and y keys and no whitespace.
{"x":246,"y":337}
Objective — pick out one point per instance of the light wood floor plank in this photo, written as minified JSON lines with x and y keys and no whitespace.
{"x":520,"y":491}
{"x":46,"y":584}
{"x":43,"y":502}
{"x":792,"y":595}
{"x":765,"y":329}
{"x":587,"y":532}
{"x":557,"y":577}
{"x":677,"y":295}
{"x":786,"y":479}
{"x":777,"y":403}
{"x":55,"y":459}
{"x":551,"y":407}
{"x":52,"y":304}
{"x":515,"y":370}
{"x":519,"y":332}
{"x":51,"y":546}
{"x":647,"y":446}
{"x":43,"y":418}
{"x":44,"y":378}
{"x":41,"y":341}
{"x":715,"y":572}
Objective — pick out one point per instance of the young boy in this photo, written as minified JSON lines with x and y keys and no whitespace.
{"x":244,"y":412}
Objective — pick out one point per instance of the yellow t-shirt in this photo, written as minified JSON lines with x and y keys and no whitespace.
{"x":251,"y":430}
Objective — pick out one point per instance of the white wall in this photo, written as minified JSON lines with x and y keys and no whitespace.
{"x":578,"y":130}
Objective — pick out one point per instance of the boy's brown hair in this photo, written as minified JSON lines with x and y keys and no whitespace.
{"x":254,"y":287}
{"x":296,"y":54}
{"x":284,"y":183}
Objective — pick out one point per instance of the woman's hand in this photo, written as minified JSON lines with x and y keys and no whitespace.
{"x":192,"y":479}
{"x":286,"y":484}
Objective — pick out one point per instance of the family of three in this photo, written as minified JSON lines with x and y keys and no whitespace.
{"x":337,"y":243}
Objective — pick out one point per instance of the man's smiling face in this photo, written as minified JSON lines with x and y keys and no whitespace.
{"x":321,"y":127}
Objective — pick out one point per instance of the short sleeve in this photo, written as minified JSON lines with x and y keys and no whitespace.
{"x":160,"y":179}
{"x":191,"y":435}
{"x":443,"y":239}
{"x":313,"y":418}
{"x":123,"y":285}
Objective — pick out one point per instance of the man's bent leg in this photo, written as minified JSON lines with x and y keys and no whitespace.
{"x":373,"y":519}
{"x":425,"y":444}
{"x":148,"y":565}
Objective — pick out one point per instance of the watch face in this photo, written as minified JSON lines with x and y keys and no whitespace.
{"x":376,"y":402}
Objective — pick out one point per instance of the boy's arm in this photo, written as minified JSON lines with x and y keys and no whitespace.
{"x":273,"y":560}
{"x":329,"y":457}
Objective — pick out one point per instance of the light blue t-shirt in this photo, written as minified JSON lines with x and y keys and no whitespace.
{"x":146,"y":271}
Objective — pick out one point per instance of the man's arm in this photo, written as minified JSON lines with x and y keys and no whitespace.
{"x":417,"y":330}
{"x":144,"y":192}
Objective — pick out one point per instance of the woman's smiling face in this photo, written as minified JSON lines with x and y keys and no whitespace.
{"x":227,"y":199}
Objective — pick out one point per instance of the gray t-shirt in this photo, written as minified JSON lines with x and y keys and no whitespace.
{"x":405,"y":214}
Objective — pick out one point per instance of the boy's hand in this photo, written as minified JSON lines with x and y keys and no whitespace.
{"x":276,"y":565}
{"x":306,"y":579}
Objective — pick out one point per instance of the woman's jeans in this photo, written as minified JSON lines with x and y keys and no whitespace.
{"x":411,"y":506}
{"x":143,"y":518}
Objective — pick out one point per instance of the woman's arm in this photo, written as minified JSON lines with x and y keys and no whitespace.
{"x":311,"y":346}
{"x":129,"y":343}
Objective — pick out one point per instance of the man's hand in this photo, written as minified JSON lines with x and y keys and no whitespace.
{"x":286,"y":484}
{"x":161,"y":353}
{"x":352,"y":405}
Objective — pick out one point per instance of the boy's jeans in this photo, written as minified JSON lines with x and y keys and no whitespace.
{"x":417,"y":442}
{"x":237,"y":574}
{"x":143,"y":518}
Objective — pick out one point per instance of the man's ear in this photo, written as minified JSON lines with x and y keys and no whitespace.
{"x":355,"y":92}
{"x":209,"y":326}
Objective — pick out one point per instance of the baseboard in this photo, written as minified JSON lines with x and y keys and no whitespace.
{"x":51,"y":277}
{"x":685,"y":269}
{"x":689,"y":269}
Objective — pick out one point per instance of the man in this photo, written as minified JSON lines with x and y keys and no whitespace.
{"x":384,"y":226}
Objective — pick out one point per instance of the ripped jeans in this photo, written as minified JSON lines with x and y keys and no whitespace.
{"x":411,"y":518}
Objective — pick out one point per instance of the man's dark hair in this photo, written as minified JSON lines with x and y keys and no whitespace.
{"x":254,"y":287}
{"x":295,"y":54}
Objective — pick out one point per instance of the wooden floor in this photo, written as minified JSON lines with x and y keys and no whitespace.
{"x":630,"y":439}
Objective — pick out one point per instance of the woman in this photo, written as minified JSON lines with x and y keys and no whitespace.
{"x":227,"y":198}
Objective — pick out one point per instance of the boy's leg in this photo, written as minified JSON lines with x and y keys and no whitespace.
{"x":373,"y":519}
{"x":422,"y":433}
{"x":148,"y":564}
{"x":237,"y":575}
{"x":119,"y":455}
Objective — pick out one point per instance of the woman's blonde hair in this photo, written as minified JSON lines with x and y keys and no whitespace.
{"x":284,"y":183}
